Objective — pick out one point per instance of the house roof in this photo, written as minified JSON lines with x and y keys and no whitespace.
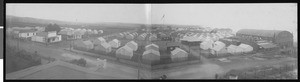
{"x":263,"y":33}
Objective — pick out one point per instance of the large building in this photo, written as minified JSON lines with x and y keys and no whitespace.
{"x":279,"y":37}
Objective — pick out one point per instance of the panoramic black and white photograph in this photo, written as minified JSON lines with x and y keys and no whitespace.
{"x":151,"y":41}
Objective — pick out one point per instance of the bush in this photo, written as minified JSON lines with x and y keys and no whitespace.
{"x":80,"y":62}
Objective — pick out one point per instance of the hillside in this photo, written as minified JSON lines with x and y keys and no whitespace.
{"x":14,"y":21}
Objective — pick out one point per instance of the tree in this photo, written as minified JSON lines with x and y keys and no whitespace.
{"x":52,"y":27}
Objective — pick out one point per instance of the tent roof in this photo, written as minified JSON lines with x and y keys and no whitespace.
{"x":151,"y":51}
{"x":177,"y":50}
{"x":152,"y":45}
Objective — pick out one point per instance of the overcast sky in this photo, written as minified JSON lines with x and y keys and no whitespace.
{"x":236,"y":16}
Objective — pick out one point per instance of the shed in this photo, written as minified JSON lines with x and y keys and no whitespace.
{"x":115,"y":43}
{"x":281,"y":37}
{"x":133,"y":45}
{"x":179,"y":55}
{"x":124,"y":52}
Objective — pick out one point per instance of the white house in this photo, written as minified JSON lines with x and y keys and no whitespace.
{"x":124,"y":52}
{"x":115,"y":43}
{"x":25,"y":33}
{"x":46,"y":37}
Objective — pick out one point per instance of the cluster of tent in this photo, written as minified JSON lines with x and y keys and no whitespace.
{"x":219,"y":47}
{"x":153,"y":37}
{"x":151,"y":53}
{"x":142,"y":36}
{"x":98,"y":44}
{"x":204,"y":36}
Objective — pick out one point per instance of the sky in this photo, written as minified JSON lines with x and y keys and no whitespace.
{"x":268,"y":16}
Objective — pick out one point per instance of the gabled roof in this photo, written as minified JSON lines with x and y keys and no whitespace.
{"x":152,"y":45}
{"x":151,"y":52}
{"x":177,"y":50}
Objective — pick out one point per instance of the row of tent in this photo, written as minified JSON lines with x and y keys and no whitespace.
{"x":203,"y":36}
{"x":81,"y":31}
{"x":133,"y":35}
{"x":151,"y":53}
{"x":219,"y":47}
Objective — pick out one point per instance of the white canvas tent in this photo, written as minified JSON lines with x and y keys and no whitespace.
{"x":178,"y":54}
{"x":124,"y":52}
{"x":115,"y":43}
{"x":246,"y":48}
{"x":151,"y":55}
{"x":218,"y":45}
{"x":133,"y":45}
{"x":207,"y":44}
